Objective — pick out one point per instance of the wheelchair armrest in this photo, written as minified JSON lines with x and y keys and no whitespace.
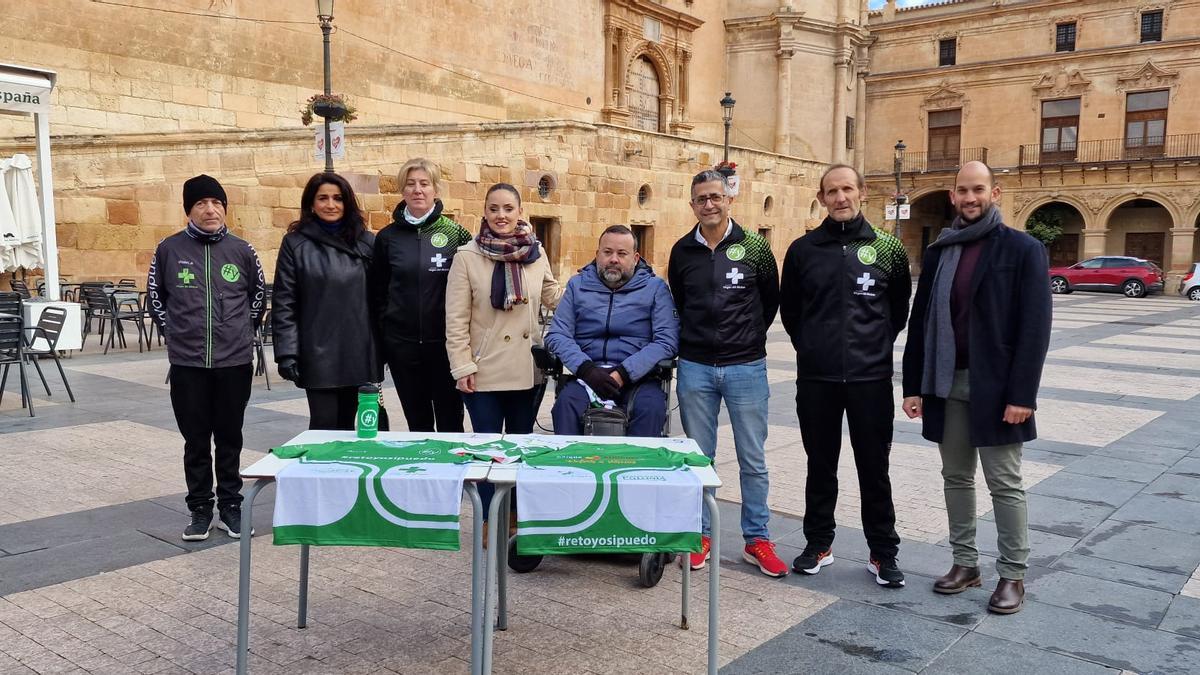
{"x":545,"y":361}
{"x":664,"y":368}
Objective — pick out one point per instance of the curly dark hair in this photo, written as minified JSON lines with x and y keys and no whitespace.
{"x":353,"y":223}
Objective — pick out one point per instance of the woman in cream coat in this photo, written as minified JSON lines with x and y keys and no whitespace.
{"x":498,"y":284}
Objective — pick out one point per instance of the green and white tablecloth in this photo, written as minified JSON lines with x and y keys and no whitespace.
{"x":608,"y":498}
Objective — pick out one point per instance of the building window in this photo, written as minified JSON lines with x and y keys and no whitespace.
{"x":947,"y":52}
{"x":1060,"y":130}
{"x":768,"y":204}
{"x":545,"y":186}
{"x":850,"y":133}
{"x":1152,"y":23}
{"x":643,"y":194}
{"x":945,"y":134}
{"x":1146,"y":123}
{"x":1064,"y":37}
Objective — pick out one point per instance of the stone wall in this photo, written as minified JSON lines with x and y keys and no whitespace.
{"x":117,"y":196}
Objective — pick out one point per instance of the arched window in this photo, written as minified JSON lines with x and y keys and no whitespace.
{"x":644,"y":90}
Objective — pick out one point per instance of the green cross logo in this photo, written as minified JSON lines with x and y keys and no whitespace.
{"x":186,"y":276}
{"x":736,"y":252}
{"x":867,"y":255}
{"x":230,"y":273}
{"x":439,"y":239}
{"x":414,"y":469}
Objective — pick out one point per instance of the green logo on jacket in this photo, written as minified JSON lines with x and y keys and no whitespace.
{"x":439,"y":239}
{"x":867,"y":255}
{"x":230,"y":272}
{"x":736,"y":252}
{"x":186,"y":276}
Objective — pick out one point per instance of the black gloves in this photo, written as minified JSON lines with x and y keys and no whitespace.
{"x":599,"y":380}
{"x":288,"y":369}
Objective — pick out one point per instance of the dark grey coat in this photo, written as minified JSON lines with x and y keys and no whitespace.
{"x":1009,"y":337}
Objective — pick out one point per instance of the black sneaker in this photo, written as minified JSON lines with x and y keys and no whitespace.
{"x":231,"y":521}
{"x":201,"y":524}
{"x":886,"y":572}
{"x":812,"y":560}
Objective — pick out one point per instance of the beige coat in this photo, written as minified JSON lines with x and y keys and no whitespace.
{"x":491,"y":343}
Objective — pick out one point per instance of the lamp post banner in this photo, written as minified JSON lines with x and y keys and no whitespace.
{"x":26,"y":96}
{"x":337,"y":140}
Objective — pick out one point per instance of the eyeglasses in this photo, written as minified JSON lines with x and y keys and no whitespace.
{"x":704,"y":199}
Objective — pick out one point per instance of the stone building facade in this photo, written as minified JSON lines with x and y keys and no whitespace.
{"x":600,"y":111}
{"x":1087,"y":108}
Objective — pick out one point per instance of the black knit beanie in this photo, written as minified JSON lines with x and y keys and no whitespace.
{"x":202,"y":187}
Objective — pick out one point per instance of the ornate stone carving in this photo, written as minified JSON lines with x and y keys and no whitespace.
{"x":1149,"y":76}
{"x":1063,"y":84}
{"x":945,"y":97}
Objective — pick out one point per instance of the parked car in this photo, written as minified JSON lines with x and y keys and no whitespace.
{"x":1132,"y":277}
{"x":1189,"y":286}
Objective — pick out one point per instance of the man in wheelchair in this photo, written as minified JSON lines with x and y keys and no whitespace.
{"x":616,"y":321}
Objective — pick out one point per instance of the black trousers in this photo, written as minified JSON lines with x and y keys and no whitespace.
{"x":421,"y":373}
{"x":332,"y":409}
{"x":209,"y":405}
{"x":868,"y":408}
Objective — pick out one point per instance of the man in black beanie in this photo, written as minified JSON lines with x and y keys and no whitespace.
{"x":206,"y":290}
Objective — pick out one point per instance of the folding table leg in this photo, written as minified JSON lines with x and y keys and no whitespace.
{"x":714,"y":584}
{"x":492,"y":558}
{"x":502,"y":563}
{"x":687,"y":589}
{"x":302,"y":610}
{"x":476,"y":579}
{"x":243,"y":621}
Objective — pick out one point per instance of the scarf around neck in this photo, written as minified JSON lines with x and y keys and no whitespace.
{"x":203,"y":237}
{"x":510,"y":252}
{"x":938,"y":373}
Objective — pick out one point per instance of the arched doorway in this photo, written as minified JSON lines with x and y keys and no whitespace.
{"x":1140,"y":228}
{"x":931,"y":214}
{"x":1067,"y":249}
{"x":643,"y":95}
{"x":1196,"y":241}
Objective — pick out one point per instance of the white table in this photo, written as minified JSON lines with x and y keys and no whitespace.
{"x":71,"y":336}
{"x":264,"y":472}
{"x":504,"y":477}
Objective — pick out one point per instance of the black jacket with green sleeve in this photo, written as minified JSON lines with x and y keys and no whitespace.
{"x":845,"y":293}
{"x":726,"y":298}
{"x":206,"y":298}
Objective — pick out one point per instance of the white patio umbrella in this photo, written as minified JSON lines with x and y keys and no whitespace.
{"x":23,"y":197}
{"x":10,"y":235}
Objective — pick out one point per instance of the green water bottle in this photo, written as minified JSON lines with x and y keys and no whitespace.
{"x":367,"y":420}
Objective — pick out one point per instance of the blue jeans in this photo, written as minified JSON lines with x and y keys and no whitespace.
{"x":647,"y":412}
{"x":745,"y":390}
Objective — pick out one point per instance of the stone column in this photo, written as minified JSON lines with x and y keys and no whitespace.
{"x":838,"y":149}
{"x":610,"y":70}
{"x":783,"y":102}
{"x":685,"y":62}
{"x":622,"y":70}
{"x":1094,"y":242}
{"x":860,"y":124}
{"x":1182,"y":240}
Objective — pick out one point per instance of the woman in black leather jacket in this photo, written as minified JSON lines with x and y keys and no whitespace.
{"x":320,"y":316}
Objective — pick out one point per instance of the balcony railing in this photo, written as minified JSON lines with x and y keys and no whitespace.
{"x":924,"y":162}
{"x":1111,"y":150}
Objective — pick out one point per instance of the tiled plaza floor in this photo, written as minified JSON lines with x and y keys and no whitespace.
{"x":94,"y":577}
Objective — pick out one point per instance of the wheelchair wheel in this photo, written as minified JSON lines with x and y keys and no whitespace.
{"x":521,"y":563}
{"x":651,"y":570}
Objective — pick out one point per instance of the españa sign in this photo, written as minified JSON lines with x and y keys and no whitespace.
{"x":23,"y":90}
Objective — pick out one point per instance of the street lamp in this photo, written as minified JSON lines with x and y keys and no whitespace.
{"x":325,"y":17}
{"x":727,"y":114}
{"x":898,"y":165}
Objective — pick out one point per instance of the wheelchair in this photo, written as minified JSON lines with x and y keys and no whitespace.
{"x":599,"y":422}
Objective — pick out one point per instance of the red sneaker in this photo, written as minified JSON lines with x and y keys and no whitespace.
{"x":697,"y":560}
{"x":761,"y":552}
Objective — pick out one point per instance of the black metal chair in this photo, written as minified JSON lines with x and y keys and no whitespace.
{"x":12,"y":351}
{"x":10,"y":303}
{"x":48,"y":329}
{"x":127,"y":283}
{"x":103,"y":305}
{"x":20,"y":287}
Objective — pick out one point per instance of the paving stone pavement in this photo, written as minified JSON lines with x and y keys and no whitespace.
{"x":94,"y":578}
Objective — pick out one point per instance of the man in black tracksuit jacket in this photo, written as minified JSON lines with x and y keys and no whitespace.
{"x":845,"y":291}
{"x":206,"y":292}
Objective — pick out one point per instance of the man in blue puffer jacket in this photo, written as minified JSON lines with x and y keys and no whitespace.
{"x":615,"y":321}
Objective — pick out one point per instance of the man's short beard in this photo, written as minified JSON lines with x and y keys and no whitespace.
{"x":614,"y":277}
{"x":983,"y":212}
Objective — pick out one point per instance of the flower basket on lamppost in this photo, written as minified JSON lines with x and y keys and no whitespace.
{"x":332,"y":107}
